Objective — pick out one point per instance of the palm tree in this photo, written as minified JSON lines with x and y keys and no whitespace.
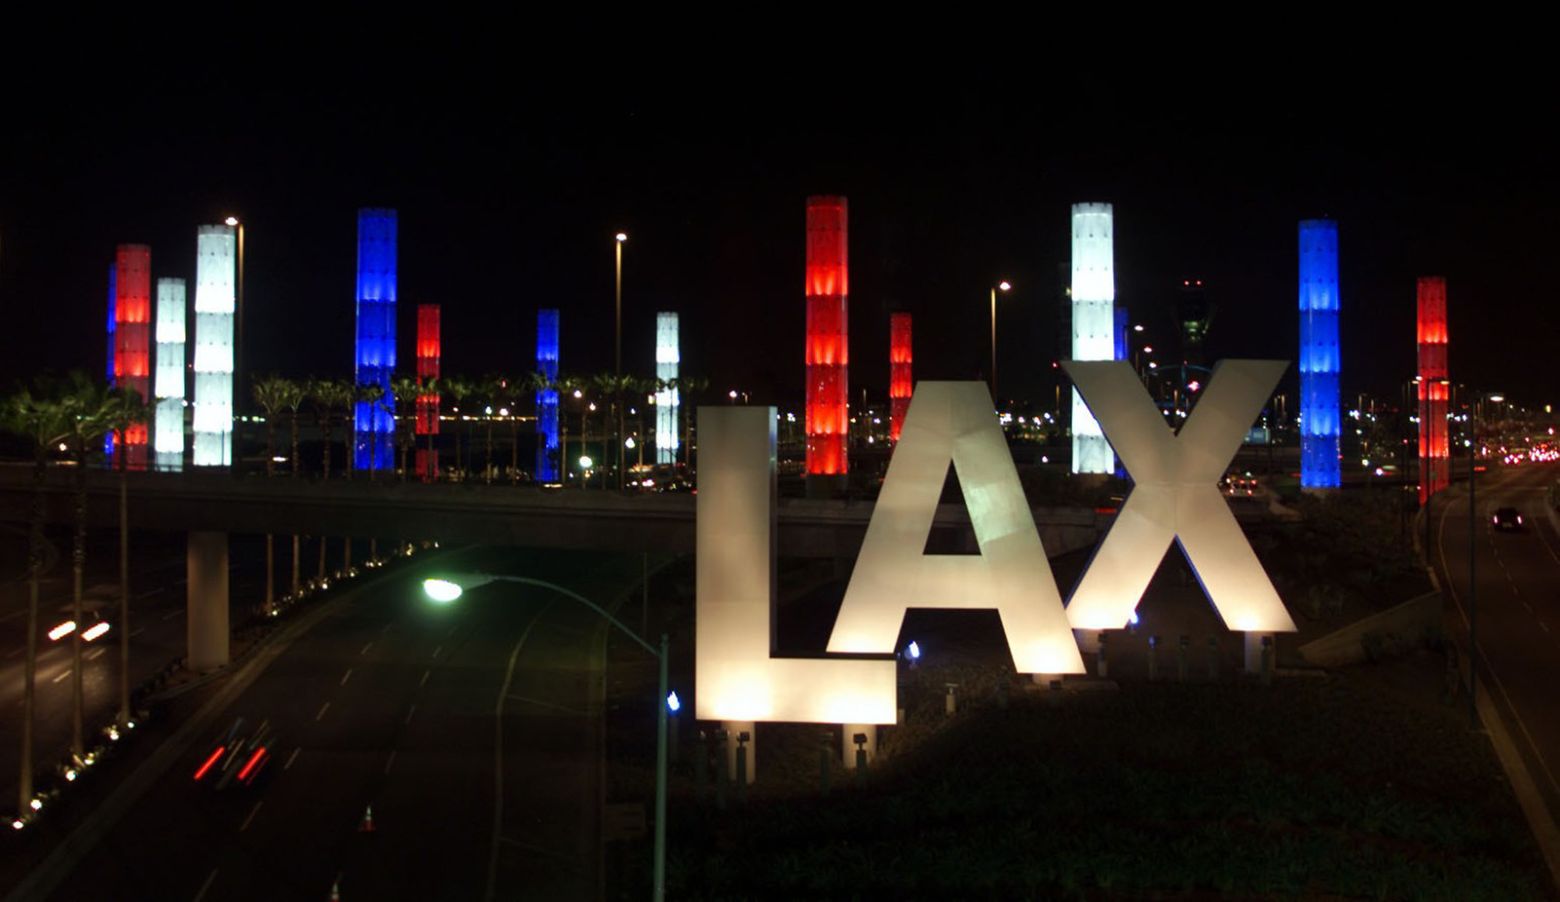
{"x":459,"y":389}
{"x":492,"y":388}
{"x":615,"y":387}
{"x":689,"y":386}
{"x":571,"y":387}
{"x":126,"y":408}
{"x":329,"y":396}
{"x":433,"y":386}
{"x":405,"y":390}
{"x":91,"y":414}
{"x":33,"y":413}
{"x":271,"y":394}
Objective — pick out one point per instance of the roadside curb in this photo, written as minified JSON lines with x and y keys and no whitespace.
{"x":1523,"y":786}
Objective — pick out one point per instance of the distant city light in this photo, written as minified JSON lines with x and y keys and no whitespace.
{"x":913,"y":651}
{"x":586,"y":462}
{"x":673,"y":703}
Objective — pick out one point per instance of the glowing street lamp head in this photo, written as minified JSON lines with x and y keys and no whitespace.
{"x":621,"y":237}
{"x":231,"y":221}
{"x":586,"y":462}
{"x":1004,"y":285}
{"x":441,"y":590}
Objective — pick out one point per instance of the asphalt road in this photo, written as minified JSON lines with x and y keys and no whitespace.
{"x":157,"y":635}
{"x":1517,"y":583}
{"x":471,"y":729}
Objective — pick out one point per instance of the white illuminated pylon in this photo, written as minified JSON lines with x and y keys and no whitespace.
{"x":1175,"y":496}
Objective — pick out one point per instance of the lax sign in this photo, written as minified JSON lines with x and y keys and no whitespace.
{"x":1175,"y":497}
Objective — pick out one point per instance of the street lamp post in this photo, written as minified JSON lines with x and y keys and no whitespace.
{"x":1000,"y":286}
{"x":617,"y":352}
{"x":447,"y":590}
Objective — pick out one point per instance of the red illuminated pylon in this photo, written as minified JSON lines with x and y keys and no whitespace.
{"x":899,"y":382}
{"x":133,"y":337}
{"x":427,"y":402}
{"x":827,"y":352}
{"x":1434,"y":389}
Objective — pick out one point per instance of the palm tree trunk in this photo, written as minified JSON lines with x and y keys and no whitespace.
{"x":78,"y":566}
{"x":514,"y":450}
{"x":297,"y":466}
{"x":30,"y":670}
{"x":124,"y":599}
{"x":487,"y":470}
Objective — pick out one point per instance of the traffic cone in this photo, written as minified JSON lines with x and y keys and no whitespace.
{"x":368,"y":820}
{"x":335,"y":889}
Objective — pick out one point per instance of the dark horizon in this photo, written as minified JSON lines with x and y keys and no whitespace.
{"x":508,"y":203}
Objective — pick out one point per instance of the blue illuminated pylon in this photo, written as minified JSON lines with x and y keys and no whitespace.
{"x":1319,"y":357}
{"x":373,"y":422}
{"x":547,"y":398}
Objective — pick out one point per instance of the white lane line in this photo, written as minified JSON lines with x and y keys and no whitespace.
{"x":138,"y":632}
{"x":436,"y":652}
{"x":95,"y":654}
{"x":386,"y":629}
{"x":15,"y":652}
{"x":365,"y":649}
{"x":424,"y":681}
{"x":1544,"y":625}
{"x":323,"y":708}
{"x":541,"y":704}
{"x":451,"y":632}
{"x":409,"y":712}
{"x":169,"y":616}
{"x":293,"y":757}
{"x":62,"y":676}
{"x":390,"y":761}
{"x":346,"y":676}
{"x":252,"y":812}
{"x":498,"y":754}
{"x":207,"y":885}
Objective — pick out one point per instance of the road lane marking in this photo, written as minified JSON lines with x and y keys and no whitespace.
{"x":424,"y":681}
{"x":169,"y":616}
{"x":346,"y":676}
{"x":14,"y":653}
{"x":137,"y":632}
{"x":62,"y":676}
{"x":323,"y":708}
{"x":498,"y":754}
{"x":252,"y":812}
{"x":436,"y":651}
{"x":409,"y":712}
{"x":451,"y":632}
{"x":207,"y":885}
{"x":365,"y":649}
{"x":541,"y":704}
{"x":1544,"y":625}
{"x":293,"y":757}
{"x":95,"y":654}
{"x":390,"y":761}
{"x":386,"y":629}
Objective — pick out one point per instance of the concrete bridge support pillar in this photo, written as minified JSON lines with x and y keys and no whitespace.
{"x":206,"y":611}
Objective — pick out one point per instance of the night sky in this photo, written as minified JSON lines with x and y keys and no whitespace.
{"x":511,"y":181}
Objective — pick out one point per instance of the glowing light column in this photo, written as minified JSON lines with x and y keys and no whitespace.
{"x":899,"y":381}
{"x":547,"y":398}
{"x":216,"y":254}
{"x":168,"y":383}
{"x":827,"y":353}
{"x":1093,"y":323}
{"x":1434,"y":448}
{"x":373,"y":425}
{"x":133,"y":337}
{"x":427,"y":401}
{"x":667,"y":400}
{"x":1319,"y":354}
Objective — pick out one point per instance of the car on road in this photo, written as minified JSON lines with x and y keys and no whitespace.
{"x":237,"y":756}
{"x":1507,"y":518}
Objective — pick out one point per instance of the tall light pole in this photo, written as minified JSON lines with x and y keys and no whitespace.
{"x":617,"y":349}
{"x":1000,"y":286}
{"x":445,"y":591}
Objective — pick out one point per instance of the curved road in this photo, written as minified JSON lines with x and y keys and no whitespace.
{"x":472,"y":730}
{"x":1517,"y":581}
